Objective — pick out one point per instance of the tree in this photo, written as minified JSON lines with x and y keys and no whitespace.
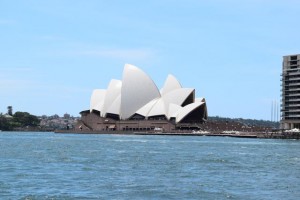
{"x":9,"y":110}
{"x":25,"y":119}
{"x":4,"y":123}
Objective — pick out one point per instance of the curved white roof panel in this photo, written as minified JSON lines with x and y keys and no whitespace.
{"x":173,"y":110}
{"x":161,"y":105}
{"x":171,"y":84}
{"x":137,"y":90}
{"x":115,"y":106}
{"x":112,"y":92}
{"x":146,"y":108}
{"x":200,"y":99}
{"x":187,"y":110}
{"x":177,"y":96}
{"x":97,"y":99}
{"x":98,"y":107}
{"x":159,"y":108}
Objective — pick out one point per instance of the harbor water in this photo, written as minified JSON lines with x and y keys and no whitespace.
{"x":74,"y":166}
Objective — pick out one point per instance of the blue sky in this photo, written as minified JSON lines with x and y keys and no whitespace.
{"x":53,"y":53}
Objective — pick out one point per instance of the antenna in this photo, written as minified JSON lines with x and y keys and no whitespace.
{"x":271,"y":111}
{"x":275,"y":111}
{"x":278,"y":113}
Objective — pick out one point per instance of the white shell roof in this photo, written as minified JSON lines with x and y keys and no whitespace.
{"x":173,"y":110}
{"x":161,"y":106}
{"x":115,"y":106}
{"x":112,"y":92}
{"x":200,"y":99}
{"x":137,"y":90}
{"x":171,"y":84}
{"x":177,"y":96}
{"x":146,"y":108}
{"x":98,"y":107}
{"x":187,"y":109}
{"x":97,"y":99}
{"x":137,"y":93}
{"x":158,"y":109}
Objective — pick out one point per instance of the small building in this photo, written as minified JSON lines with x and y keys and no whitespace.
{"x":7,"y":116}
{"x":67,"y":116}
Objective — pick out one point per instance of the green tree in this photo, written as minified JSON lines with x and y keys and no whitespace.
{"x":25,"y":119}
{"x":9,"y":110}
{"x":4,"y":123}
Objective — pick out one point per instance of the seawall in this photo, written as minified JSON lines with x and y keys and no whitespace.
{"x":269,"y":135}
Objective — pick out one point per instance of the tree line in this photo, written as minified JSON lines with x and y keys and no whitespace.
{"x":11,"y":121}
{"x":248,"y":122}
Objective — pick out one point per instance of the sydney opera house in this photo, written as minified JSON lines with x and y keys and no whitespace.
{"x":136,"y":104}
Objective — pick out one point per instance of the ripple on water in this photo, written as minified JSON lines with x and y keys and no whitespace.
{"x":54,"y":166}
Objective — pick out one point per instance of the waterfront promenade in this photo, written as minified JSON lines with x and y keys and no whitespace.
{"x":266,"y":135}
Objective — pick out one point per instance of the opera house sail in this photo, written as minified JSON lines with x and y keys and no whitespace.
{"x":136,"y":104}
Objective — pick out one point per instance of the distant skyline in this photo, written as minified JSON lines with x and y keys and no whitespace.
{"x":54,"y":53}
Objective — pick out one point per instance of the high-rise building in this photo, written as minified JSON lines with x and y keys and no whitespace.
{"x":290,"y":107}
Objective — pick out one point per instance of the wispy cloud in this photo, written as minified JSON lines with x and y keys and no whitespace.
{"x":15,"y":69}
{"x":50,"y":37}
{"x":127,"y":54}
{"x":12,"y":85}
{"x":66,"y":90}
{"x":12,"y":71}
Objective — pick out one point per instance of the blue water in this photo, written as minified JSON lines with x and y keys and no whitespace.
{"x":56,"y":166}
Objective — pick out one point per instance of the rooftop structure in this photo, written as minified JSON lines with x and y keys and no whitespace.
{"x":137,"y":98}
{"x":290,"y":107}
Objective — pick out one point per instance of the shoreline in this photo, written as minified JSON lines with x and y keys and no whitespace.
{"x":274,"y":135}
{"x":259,"y":135}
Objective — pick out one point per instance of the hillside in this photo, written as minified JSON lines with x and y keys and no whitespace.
{"x":245,"y":122}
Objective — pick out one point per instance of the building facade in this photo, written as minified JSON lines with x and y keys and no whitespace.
{"x":290,"y":107}
{"x":136,"y":104}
